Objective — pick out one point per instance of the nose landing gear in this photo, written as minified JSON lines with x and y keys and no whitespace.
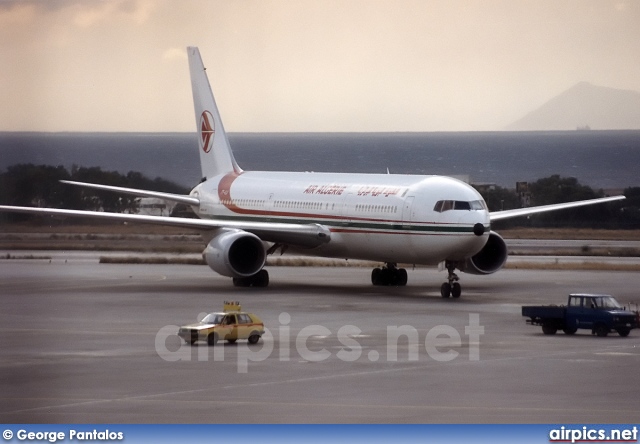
{"x":452,"y":286}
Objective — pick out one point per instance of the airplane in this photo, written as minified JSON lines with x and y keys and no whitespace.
{"x":244,"y":216}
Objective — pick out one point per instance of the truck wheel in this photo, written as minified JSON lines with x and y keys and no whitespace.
{"x":601,"y":330}
{"x":549,"y":329}
{"x":212,"y":339}
{"x":569,"y":330}
{"x":624,"y":332}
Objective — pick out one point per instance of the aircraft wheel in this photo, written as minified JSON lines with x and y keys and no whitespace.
{"x":261,"y":279}
{"x":240,"y":282}
{"x":445,"y":290}
{"x":401,"y":277}
{"x":386,"y":276}
{"x":456,"y":290}
{"x":376,"y":276}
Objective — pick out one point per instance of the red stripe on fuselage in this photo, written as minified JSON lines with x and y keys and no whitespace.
{"x":224,"y":191}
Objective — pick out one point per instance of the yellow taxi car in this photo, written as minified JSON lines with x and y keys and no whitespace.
{"x":229,"y":325}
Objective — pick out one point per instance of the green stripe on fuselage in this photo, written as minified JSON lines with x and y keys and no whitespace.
{"x":357,"y":225}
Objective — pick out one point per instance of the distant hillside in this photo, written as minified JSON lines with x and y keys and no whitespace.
{"x":583,"y":105}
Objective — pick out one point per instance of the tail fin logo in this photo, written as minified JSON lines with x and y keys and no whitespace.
{"x":207,"y":131}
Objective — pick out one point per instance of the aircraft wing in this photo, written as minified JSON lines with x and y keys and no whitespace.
{"x":180,"y":198}
{"x":508,"y":214}
{"x":304,"y":235}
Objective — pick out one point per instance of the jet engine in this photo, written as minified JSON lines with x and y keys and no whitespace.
{"x":235,"y":253}
{"x":490,"y":259}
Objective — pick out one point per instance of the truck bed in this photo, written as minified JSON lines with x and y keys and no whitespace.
{"x":536,"y":312}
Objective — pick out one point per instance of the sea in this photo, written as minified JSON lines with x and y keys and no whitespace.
{"x":608,"y":160}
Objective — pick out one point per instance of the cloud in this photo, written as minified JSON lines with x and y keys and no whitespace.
{"x":83,"y":13}
{"x":91,"y":13}
{"x":174,"y":53}
{"x":308,"y":65}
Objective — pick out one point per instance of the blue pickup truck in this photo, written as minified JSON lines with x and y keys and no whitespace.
{"x":599,"y":313}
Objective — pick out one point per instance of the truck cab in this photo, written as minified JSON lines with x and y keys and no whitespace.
{"x":588,"y":311}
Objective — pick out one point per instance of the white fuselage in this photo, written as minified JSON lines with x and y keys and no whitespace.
{"x":386,"y":218}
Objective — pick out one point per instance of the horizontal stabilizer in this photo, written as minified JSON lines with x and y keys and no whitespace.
{"x":180,"y":198}
{"x":508,"y":214}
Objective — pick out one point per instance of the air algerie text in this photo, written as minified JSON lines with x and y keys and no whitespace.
{"x":378,"y":190}
{"x":335,"y":190}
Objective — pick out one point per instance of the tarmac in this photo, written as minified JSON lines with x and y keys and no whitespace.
{"x":85,"y":342}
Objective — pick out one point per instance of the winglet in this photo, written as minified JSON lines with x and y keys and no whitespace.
{"x":215,"y":152}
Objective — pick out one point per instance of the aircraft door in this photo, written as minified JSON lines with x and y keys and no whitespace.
{"x":407,"y":211}
{"x":270,"y":202}
{"x":348,"y":206}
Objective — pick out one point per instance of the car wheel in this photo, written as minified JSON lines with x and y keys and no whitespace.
{"x":549,"y":329}
{"x":254,"y":338}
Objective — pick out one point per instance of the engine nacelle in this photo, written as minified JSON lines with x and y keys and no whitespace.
{"x":235,"y":253}
{"x":490,"y":259}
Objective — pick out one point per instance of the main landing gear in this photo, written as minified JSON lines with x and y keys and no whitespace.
{"x":260,"y":279}
{"x":389,"y":275}
{"x":451,"y":287}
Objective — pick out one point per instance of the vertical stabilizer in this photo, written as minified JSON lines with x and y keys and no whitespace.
{"x":215,"y":152}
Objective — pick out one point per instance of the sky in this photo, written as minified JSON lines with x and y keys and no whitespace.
{"x":306,"y":65}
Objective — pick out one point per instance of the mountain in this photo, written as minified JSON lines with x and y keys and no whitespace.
{"x":584,"y":105}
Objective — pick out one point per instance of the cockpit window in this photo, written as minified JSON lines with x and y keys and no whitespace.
{"x":478,"y":205}
{"x":446,"y":205}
